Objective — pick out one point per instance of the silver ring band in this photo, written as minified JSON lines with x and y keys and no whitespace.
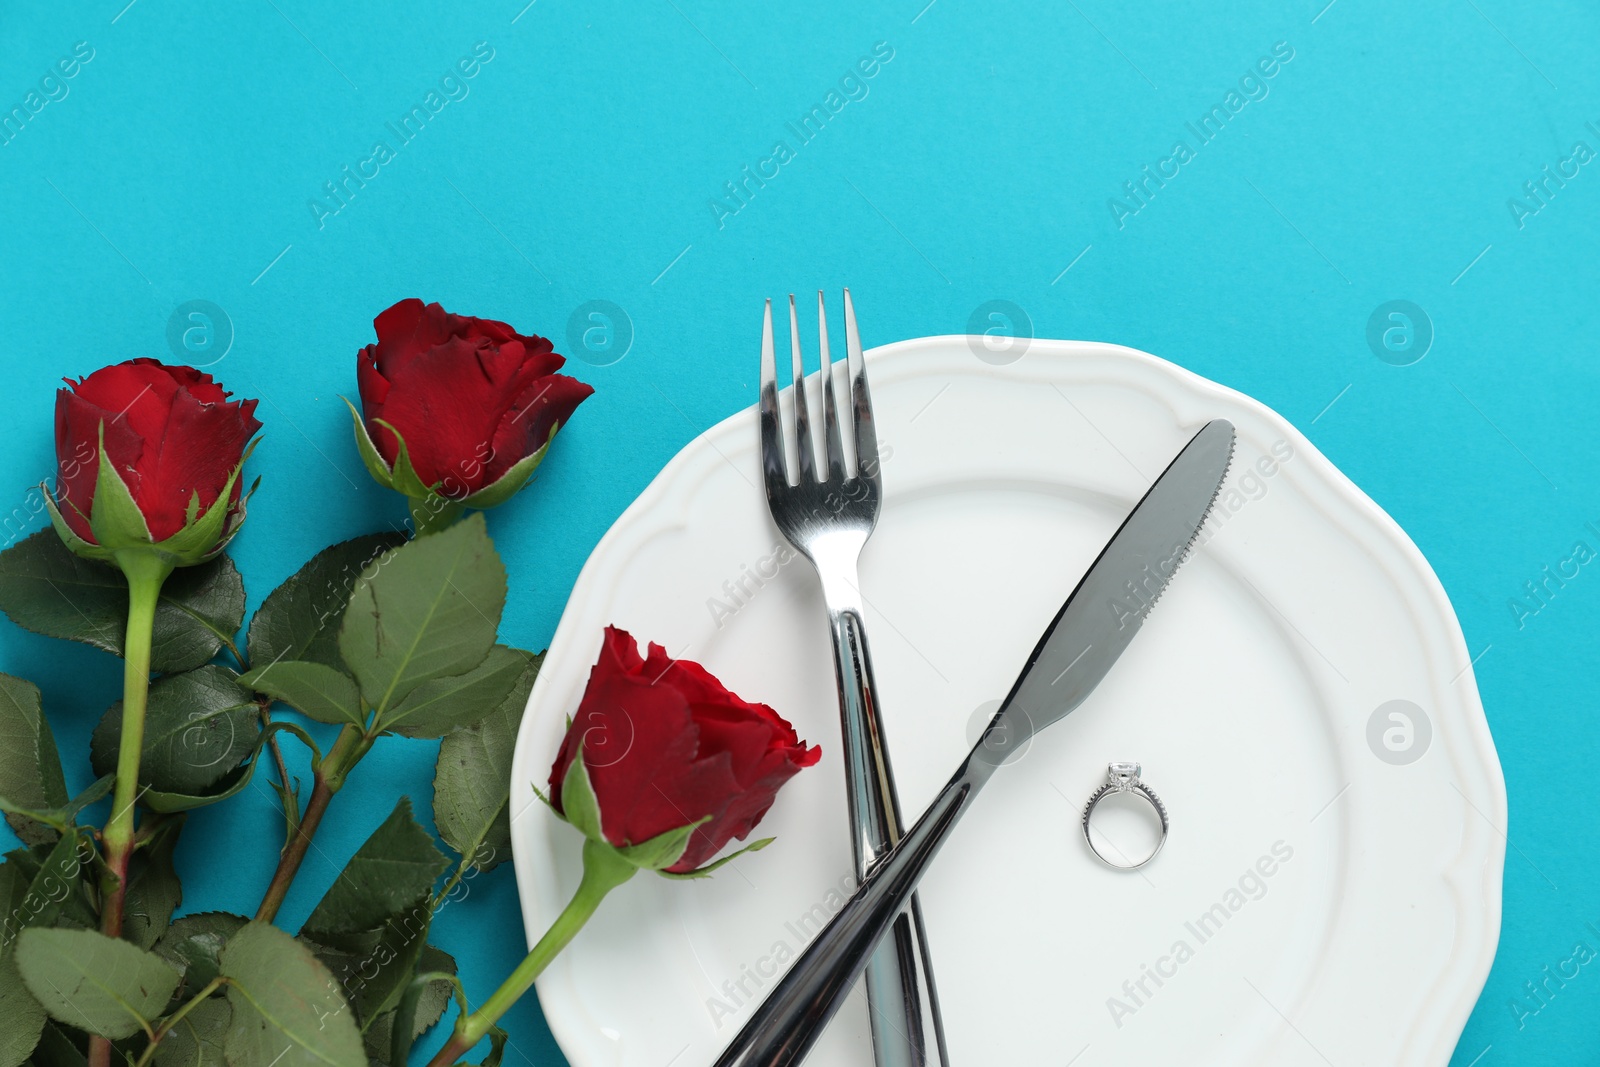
{"x":1124,"y":778}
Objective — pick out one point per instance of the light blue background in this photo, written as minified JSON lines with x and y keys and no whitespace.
{"x":583,"y":163}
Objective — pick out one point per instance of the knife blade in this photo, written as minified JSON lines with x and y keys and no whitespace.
{"x":1092,"y":629}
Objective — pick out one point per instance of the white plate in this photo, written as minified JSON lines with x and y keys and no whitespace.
{"x":1249,"y":697}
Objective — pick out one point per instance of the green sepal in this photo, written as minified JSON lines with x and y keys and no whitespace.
{"x":406,"y":480}
{"x":120,"y":528}
{"x":705,"y":872}
{"x":114,"y":516}
{"x":581,"y":808}
{"x":512,"y":481}
{"x":79,"y":547}
{"x":403,"y":478}
{"x":203,"y":537}
{"x":663,"y":850}
{"x":431,"y":511}
{"x":579,"y":805}
{"x":369,"y":450}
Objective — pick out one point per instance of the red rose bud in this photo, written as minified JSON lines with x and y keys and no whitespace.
{"x":458,"y":409}
{"x":149,"y":456}
{"x":676,"y":764}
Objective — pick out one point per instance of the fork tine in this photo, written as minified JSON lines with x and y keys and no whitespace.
{"x":866,"y":436}
{"x":830,"y":409}
{"x":806,"y":449}
{"x":772,"y":462}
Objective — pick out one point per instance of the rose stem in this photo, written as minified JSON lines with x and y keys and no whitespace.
{"x":603,"y":871}
{"x":434,"y":513}
{"x":145,"y":572}
{"x":328,"y":779}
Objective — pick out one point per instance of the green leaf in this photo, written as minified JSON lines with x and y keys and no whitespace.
{"x":375,"y":966}
{"x":61,"y":819}
{"x":14,"y":882}
{"x":319,"y":691}
{"x":198,"y":727}
{"x":194,"y":943}
{"x":435,"y":708}
{"x":435,"y":997}
{"x":168,"y":802}
{"x":98,"y":789}
{"x":228,"y":785}
{"x":426,"y":610}
{"x":497,"y":1047}
{"x":402,"y":945}
{"x":45,"y":886}
{"x":30,"y":767}
{"x":56,"y":1049}
{"x":47,"y":589}
{"x":198,"y":1039}
{"x":154,"y":891}
{"x":300,"y":619}
{"x":287,"y":1009}
{"x":200,"y":608}
{"x":94,"y":982}
{"x":472,"y":780}
{"x":21,"y":1017}
{"x":396,"y":866}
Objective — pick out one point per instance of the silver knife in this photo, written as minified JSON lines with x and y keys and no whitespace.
{"x":1078,"y":648}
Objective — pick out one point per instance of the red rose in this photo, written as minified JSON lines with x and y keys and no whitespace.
{"x":172,"y":435}
{"x":665,"y":745}
{"x":471,"y":398}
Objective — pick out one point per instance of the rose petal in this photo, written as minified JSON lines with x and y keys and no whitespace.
{"x":196,"y":454}
{"x":526,"y":426}
{"x":78,"y":424}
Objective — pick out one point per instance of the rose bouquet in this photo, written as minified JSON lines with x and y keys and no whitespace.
{"x":393,"y":634}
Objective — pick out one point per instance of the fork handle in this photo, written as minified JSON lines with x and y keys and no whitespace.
{"x":902,"y":1000}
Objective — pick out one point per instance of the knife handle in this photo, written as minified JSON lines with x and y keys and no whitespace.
{"x":798,"y":1009}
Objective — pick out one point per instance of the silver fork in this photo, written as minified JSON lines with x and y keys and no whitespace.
{"x":828,"y":517}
